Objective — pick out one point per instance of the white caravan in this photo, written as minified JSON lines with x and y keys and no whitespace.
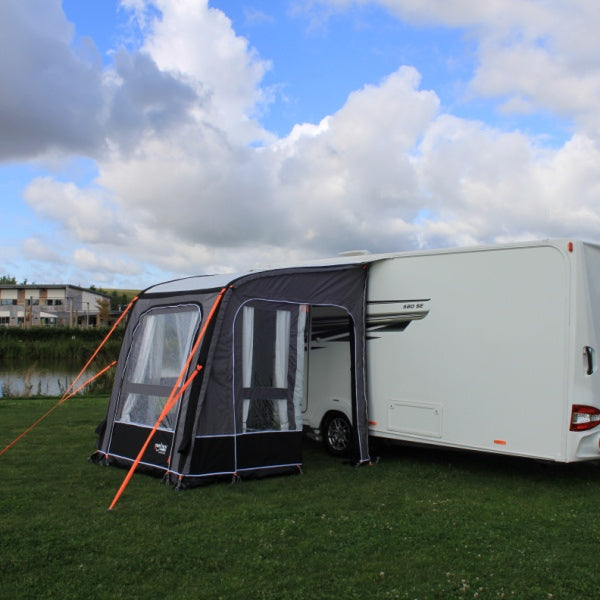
{"x":491,"y":348}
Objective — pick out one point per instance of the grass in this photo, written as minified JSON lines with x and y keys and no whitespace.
{"x":420,"y":524}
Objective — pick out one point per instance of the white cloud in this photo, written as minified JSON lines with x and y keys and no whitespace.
{"x":198,"y":42}
{"x":57,"y":100}
{"x":181,"y":189}
{"x":41,"y":249}
{"x":321,"y":185}
{"x":145,"y":101}
{"x":532,"y":54}
{"x":87,"y":215}
{"x":50,"y":97}
{"x":351,"y":178}
{"x":488,"y":186}
{"x":89,"y":261}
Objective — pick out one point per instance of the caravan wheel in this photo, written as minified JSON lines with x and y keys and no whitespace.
{"x":337,"y":434}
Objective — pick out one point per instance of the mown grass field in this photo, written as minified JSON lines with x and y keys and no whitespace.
{"x":420,"y":524}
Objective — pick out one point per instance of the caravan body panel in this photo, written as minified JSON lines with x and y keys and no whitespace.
{"x":487,"y":367}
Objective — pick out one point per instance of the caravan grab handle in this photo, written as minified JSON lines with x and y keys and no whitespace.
{"x":589,"y":354}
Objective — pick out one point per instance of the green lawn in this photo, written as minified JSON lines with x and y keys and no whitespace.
{"x":420,"y":524}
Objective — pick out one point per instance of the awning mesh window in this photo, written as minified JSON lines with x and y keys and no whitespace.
{"x":269,"y":350}
{"x":160,"y":348}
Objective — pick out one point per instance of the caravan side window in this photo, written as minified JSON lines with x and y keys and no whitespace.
{"x":161,"y":344}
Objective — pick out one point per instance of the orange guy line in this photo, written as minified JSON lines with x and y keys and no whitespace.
{"x":67,"y":393}
{"x":63,"y":399}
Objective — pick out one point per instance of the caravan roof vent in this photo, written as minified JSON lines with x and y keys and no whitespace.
{"x":354,"y":253}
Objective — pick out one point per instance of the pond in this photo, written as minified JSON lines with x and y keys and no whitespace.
{"x":47,"y":380}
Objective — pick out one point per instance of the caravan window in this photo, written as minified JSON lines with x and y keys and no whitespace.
{"x":161,"y":344}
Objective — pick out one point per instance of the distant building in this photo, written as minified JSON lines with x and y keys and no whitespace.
{"x":29,"y":305}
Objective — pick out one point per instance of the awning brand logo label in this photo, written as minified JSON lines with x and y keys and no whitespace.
{"x":160,"y":448}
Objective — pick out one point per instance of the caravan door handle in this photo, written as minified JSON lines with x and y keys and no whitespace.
{"x":589,"y":354}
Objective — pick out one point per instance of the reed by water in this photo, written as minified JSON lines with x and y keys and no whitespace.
{"x":56,"y":345}
{"x":30,"y":358}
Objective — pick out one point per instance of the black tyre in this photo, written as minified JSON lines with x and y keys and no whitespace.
{"x":337,"y":434}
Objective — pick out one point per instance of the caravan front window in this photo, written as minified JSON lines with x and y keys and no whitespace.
{"x":161,"y":344}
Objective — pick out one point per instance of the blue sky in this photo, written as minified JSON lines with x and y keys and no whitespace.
{"x":143,"y":140}
{"x":318,"y":60}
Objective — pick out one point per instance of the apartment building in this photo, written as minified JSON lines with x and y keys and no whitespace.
{"x":30,"y":305}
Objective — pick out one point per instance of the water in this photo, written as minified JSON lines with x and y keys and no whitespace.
{"x":33,"y":380}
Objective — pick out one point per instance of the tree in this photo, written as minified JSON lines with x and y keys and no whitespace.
{"x":7,"y":280}
{"x":103,"y":305}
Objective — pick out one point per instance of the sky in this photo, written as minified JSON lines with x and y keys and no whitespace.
{"x":144,"y":140}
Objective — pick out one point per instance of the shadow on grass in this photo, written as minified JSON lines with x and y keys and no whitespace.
{"x":483,"y":464}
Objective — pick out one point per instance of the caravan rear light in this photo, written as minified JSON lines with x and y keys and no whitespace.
{"x":584,"y":417}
